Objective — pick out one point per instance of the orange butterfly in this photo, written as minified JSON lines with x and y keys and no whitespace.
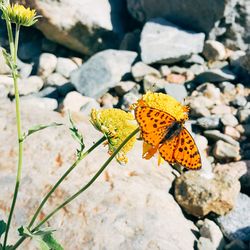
{"x":163,"y":132}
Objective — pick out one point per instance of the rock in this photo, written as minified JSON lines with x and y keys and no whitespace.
{"x":123,"y":87}
{"x":199,"y":196}
{"x":232,"y":132}
{"x":108,"y":101}
{"x":227,"y":87}
{"x":56,"y":79}
{"x":236,"y":245}
{"x":235,"y":225}
{"x":74,"y":101}
{"x":39,"y":103}
{"x":131,"y":41}
{"x":140,"y":69}
{"x":218,"y":65}
{"x":221,"y":110}
{"x":165,"y":70}
{"x":4,"y":68}
{"x":164,"y":42}
{"x":89,"y":27}
{"x":102,"y":71}
{"x":153,"y":83}
{"x":7,"y":83}
{"x":225,"y":151}
{"x":245,"y":179}
{"x":176,"y":78}
{"x":215,"y":75}
{"x":47,"y":64}
{"x":90,"y":104}
{"x":209,"y":122}
{"x":129,"y":99}
{"x":195,"y":59}
{"x":210,"y":91}
{"x":234,"y":169}
{"x":239,"y":101}
{"x":212,"y":232}
{"x":205,"y":244}
{"x":65,"y":66}
{"x":4,"y":91}
{"x":30,"y":85}
{"x":214,"y":50}
{"x":106,"y":208}
{"x":198,"y":69}
{"x":246,"y":129}
{"x":50,"y":92}
{"x":178,"y":91}
{"x":229,"y":120}
{"x":245,"y":61}
{"x":216,"y":135}
{"x":25,"y":69}
{"x":199,"y":106}
{"x":243,"y":115}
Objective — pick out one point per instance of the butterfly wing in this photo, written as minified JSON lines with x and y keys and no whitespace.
{"x":186,"y":152}
{"x":154,"y":124}
{"x":168,"y":148}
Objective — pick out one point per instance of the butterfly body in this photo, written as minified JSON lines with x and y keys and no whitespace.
{"x":169,"y":136}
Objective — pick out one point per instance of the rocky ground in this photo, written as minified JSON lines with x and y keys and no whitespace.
{"x":111,"y":64}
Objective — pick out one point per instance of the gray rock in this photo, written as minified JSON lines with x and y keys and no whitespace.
{"x":215,"y":75}
{"x":239,"y":101}
{"x":195,"y":59}
{"x":123,"y":87}
{"x":140,"y":69}
{"x":25,"y":69}
{"x":129,"y":99}
{"x":38,"y":102}
{"x":217,"y":135}
{"x":89,"y":27}
{"x":212,"y":232}
{"x":236,"y":245}
{"x":47,"y":64}
{"x":4,"y":91}
{"x":56,"y":79}
{"x":214,"y":50}
{"x":209,"y":122}
{"x":29,"y":86}
{"x":65,"y":66}
{"x":235,"y":224}
{"x":164,"y":42}
{"x":107,"y":211}
{"x":199,"y":194}
{"x":229,"y":120}
{"x":153,"y":83}
{"x":227,"y":87}
{"x":243,"y":115}
{"x":225,"y":151}
{"x":102,"y":71}
{"x":50,"y":92}
{"x":165,"y":70}
{"x":205,"y":244}
{"x":108,"y":100}
{"x":178,"y":91}
{"x":197,"y":69}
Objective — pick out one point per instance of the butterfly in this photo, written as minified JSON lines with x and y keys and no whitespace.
{"x":169,"y":136}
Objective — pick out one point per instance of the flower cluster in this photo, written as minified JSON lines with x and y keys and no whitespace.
{"x":19,"y":15}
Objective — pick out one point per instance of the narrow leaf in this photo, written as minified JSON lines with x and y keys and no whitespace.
{"x":2,"y":227}
{"x":37,"y":128}
{"x":51,"y":242}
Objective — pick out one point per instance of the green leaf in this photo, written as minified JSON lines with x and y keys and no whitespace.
{"x":2,"y":227}
{"x":51,"y":242}
{"x":77,"y":136}
{"x":37,"y":128}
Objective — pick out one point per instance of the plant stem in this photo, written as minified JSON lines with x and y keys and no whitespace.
{"x":92,"y":180}
{"x":14,"y":48}
{"x":62,"y":178}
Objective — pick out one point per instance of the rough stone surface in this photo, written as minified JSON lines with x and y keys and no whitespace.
{"x":229,"y":120}
{"x":199,"y":195}
{"x":138,"y":219}
{"x":235,"y":225}
{"x":210,"y":122}
{"x":162,"y":41}
{"x":65,"y":66}
{"x":102,"y":71}
{"x":39,"y":102}
{"x":211,"y":231}
{"x":88,"y":27}
{"x":244,"y":115}
{"x":214,"y":50}
{"x":178,"y":91}
{"x":225,"y":151}
{"x":47,"y":64}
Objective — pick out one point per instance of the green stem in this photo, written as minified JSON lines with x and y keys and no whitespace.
{"x":13,"y":48}
{"x":62,"y":178}
{"x":19,"y":242}
{"x":10,"y":36}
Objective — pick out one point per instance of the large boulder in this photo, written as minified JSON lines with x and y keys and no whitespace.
{"x":85,"y":26}
{"x":128,"y":207}
{"x":225,"y":19}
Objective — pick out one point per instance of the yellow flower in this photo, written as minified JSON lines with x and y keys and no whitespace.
{"x":116,"y":125}
{"x":166,"y":103}
{"x":20,"y":15}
